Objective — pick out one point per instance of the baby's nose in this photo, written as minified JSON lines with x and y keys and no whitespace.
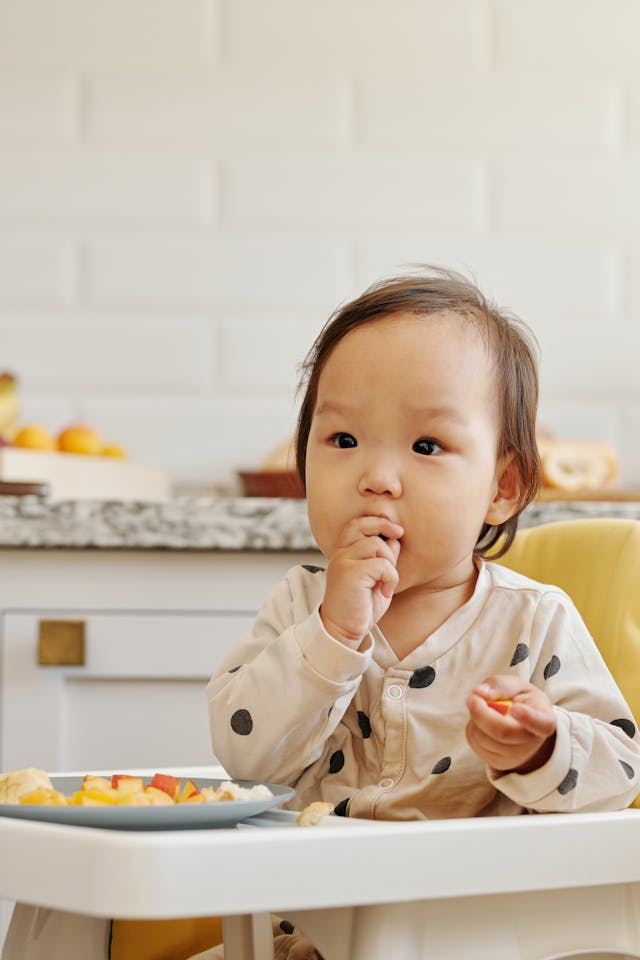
{"x":381,"y":479}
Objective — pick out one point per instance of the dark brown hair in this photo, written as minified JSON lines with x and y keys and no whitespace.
{"x":510,"y":342}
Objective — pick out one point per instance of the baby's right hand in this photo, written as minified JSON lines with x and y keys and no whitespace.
{"x":361,"y":578}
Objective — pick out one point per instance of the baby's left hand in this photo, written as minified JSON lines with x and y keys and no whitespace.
{"x":522,"y":739}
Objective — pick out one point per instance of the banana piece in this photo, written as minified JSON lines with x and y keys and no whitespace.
{"x":8,"y":406}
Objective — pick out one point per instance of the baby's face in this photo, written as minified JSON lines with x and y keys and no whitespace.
{"x":406,"y":426}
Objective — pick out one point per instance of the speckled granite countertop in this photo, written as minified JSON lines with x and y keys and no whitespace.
{"x":203,"y":523}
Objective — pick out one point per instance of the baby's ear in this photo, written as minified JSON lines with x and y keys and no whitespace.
{"x":506,"y":490}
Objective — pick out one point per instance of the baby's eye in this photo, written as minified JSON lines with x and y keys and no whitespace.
{"x":344,"y":440}
{"x":426,"y":447}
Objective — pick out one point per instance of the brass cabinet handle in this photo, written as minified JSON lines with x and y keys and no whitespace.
{"x":61,"y":643}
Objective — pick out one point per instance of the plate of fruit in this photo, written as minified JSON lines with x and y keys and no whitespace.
{"x":126,"y":801}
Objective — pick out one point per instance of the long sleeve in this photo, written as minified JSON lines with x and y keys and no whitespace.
{"x":284,"y":688}
{"x":595,"y":764}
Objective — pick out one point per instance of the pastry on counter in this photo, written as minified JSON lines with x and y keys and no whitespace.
{"x":577,"y":465}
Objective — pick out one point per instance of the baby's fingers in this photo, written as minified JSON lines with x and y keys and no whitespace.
{"x":385,"y":577}
{"x":541,"y":723}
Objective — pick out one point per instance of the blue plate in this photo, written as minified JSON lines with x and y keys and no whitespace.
{"x":180,"y":816}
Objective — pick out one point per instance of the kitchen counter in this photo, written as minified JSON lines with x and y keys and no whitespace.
{"x":201,"y":524}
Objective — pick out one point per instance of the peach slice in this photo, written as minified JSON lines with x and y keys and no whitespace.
{"x":502,"y":706}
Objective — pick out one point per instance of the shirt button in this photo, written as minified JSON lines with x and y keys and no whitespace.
{"x":394,"y":691}
{"x":386,"y":783}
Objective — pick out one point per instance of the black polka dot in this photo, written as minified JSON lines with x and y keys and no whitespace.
{"x":628,"y":769}
{"x":336,"y":762}
{"x":233,"y":669}
{"x":628,"y":726}
{"x":569,"y":782}
{"x":242,"y":723}
{"x":552,"y":667}
{"x":340,"y":809}
{"x":442,"y":765}
{"x":310,"y":567}
{"x":423,"y":677}
{"x":286,"y":927}
{"x":520,"y":653}
{"x":365,"y":724}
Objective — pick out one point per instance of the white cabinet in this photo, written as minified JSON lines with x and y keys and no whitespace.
{"x":137,"y":700}
{"x":155,"y":625}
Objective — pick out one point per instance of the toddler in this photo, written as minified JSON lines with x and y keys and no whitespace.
{"x":367,"y":681}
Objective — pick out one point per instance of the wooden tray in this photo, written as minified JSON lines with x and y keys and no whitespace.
{"x":71,"y":476}
{"x":609,"y":494}
{"x":11,"y":489}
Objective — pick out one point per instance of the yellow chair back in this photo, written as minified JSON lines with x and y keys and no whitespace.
{"x":597,"y":562}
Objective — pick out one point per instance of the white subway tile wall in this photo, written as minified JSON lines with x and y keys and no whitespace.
{"x":188,"y":188}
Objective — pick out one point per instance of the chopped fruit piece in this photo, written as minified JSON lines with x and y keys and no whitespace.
{"x":502,"y":706}
{"x":45,"y":796}
{"x":189,"y":790}
{"x":164,"y":781}
{"x":94,"y":798}
{"x":81,"y":799}
{"x":124,"y":783}
{"x":90,"y":782}
{"x":138,"y":800}
{"x":159,"y":797}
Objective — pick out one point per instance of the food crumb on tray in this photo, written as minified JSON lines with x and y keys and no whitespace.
{"x":312,"y":815}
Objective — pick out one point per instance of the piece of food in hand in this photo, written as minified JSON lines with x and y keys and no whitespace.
{"x":502,"y":706}
{"x":17,"y":783}
{"x":314,"y":814}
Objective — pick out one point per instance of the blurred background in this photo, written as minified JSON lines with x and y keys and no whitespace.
{"x":188,"y":188}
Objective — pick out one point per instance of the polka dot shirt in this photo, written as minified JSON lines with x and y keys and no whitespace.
{"x":385,"y":738}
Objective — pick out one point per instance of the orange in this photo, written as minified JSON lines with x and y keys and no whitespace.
{"x":113,"y":450}
{"x":34,"y":437}
{"x":80,"y":439}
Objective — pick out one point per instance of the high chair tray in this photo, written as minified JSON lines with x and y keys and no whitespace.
{"x":180,"y":816}
{"x":529,"y":887}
